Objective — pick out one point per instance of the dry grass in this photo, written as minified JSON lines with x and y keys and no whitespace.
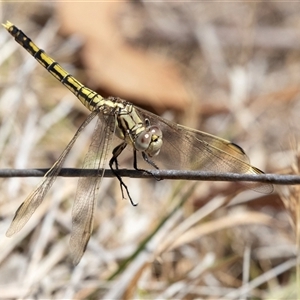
{"x":239,"y":65}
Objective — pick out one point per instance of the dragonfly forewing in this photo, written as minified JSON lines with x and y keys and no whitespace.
{"x":32,"y":202}
{"x":189,"y":149}
{"x":84,"y":204}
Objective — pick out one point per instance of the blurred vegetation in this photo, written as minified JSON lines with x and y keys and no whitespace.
{"x":231,"y":69}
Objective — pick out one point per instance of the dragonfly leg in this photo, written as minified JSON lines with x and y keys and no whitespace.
{"x":150,"y":162}
{"x":114,"y":160}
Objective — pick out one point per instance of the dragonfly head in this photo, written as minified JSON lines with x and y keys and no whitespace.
{"x":149,"y":141}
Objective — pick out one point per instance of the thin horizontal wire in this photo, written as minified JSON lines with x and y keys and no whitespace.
{"x":161,"y":174}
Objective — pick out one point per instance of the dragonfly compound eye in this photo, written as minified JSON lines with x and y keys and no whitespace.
{"x":149,"y":141}
{"x":143,"y":141}
{"x":156,"y":141}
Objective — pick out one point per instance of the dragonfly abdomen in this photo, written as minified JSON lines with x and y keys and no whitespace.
{"x":89,"y":98}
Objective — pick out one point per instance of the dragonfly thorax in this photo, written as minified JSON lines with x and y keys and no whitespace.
{"x":149,"y":140}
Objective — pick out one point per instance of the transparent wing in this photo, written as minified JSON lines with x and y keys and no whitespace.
{"x":31,"y":203}
{"x":188,"y":149}
{"x":84,"y":204}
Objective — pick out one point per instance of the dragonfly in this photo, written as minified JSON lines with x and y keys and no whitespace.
{"x":158,"y":141}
